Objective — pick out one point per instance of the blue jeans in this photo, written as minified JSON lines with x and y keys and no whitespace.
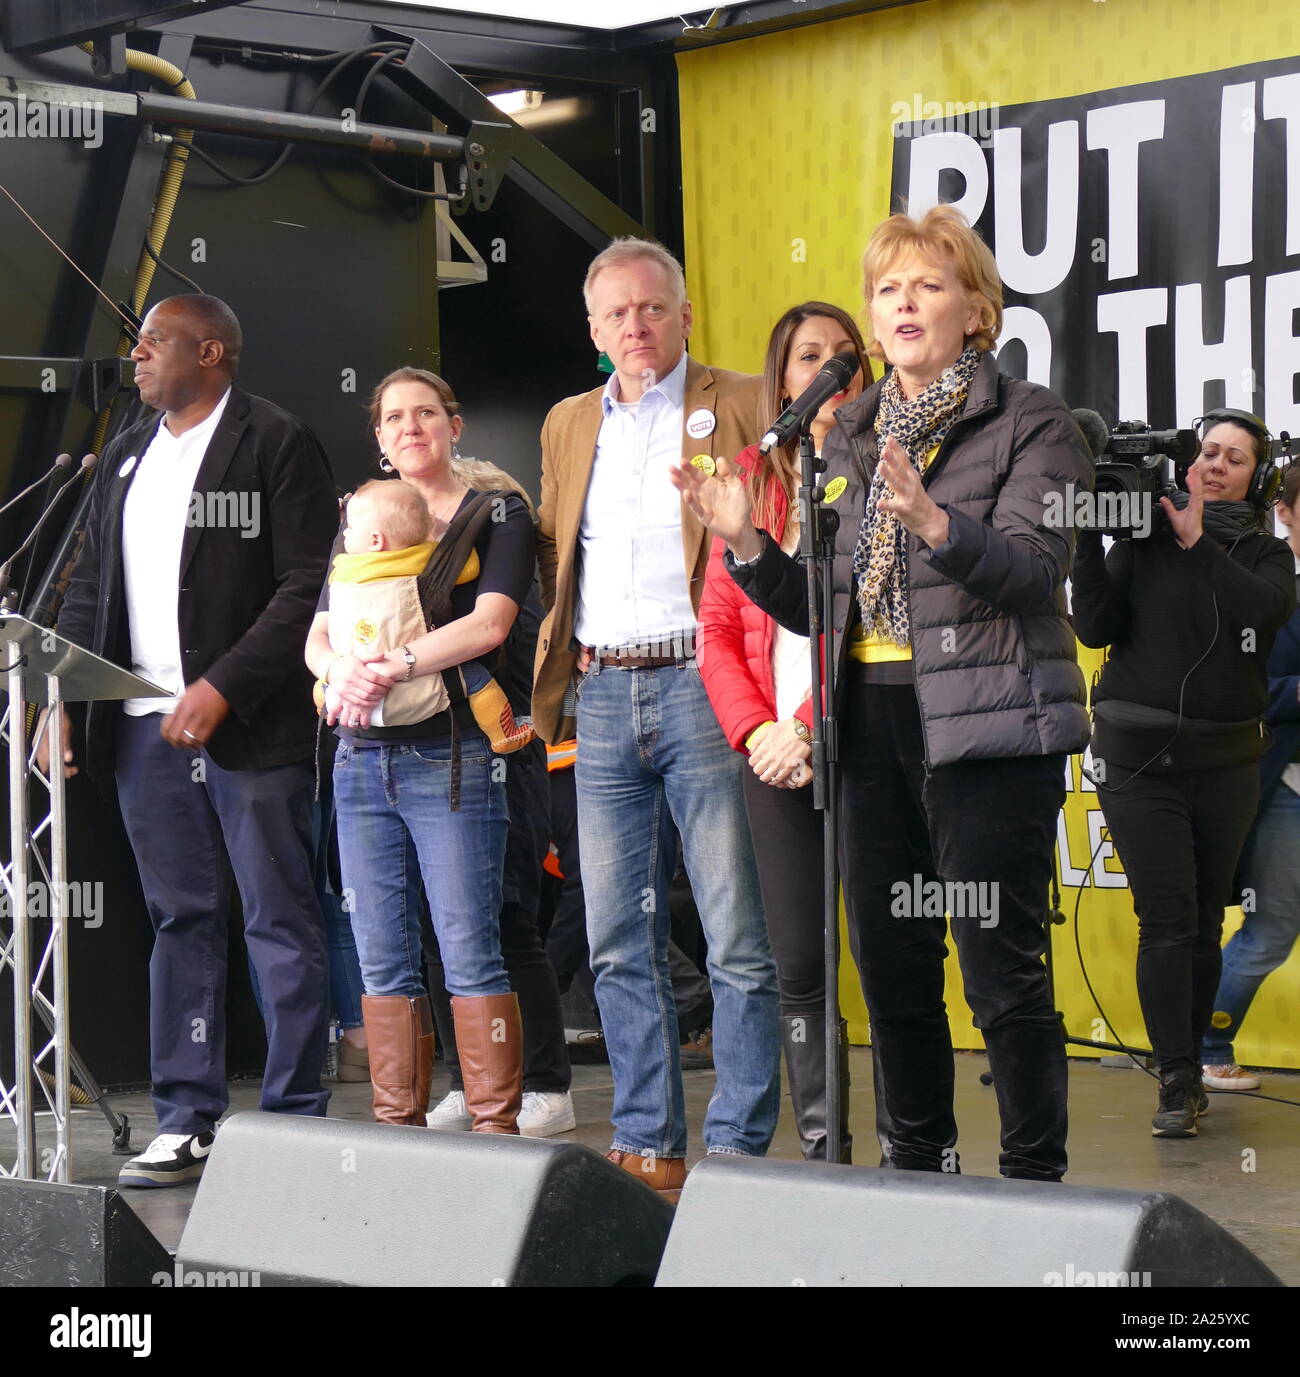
{"x":1264,"y":940}
{"x":651,"y":753}
{"x":397,"y":830}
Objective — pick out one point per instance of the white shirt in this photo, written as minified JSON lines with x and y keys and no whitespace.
{"x":632,"y":588}
{"x":154,"y":519}
{"x":791,"y":658}
{"x":1291,"y":775}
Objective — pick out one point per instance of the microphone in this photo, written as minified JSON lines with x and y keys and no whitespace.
{"x":1095,"y":431}
{"x":87,"y":463}
{"x":833,"y":376}
{"x":61,"y":462}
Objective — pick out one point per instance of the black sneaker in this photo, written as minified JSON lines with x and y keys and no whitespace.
{"x":170,"y":1160}
{"x":1200,"y":1099}
{"x":1176,"y":1117}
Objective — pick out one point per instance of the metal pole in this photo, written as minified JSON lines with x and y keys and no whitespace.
{"x":59,"y":935}
{"x":816,"y":533}
{"x":18,"y":840}
{"x":284,"y":125}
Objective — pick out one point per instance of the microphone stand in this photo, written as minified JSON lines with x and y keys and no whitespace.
{"x":817,"y":527}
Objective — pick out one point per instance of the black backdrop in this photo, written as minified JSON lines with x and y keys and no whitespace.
{"x":329,"y":271}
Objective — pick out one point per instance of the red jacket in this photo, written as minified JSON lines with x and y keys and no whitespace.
{"x":734,"y":641}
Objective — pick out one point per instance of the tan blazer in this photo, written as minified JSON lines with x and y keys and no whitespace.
{"x":568,"y":455}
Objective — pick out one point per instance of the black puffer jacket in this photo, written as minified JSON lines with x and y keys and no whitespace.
{"x":994,"y":657}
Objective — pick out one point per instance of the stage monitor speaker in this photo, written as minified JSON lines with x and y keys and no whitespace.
{"x":745,"y":1222}
{"x":328,"y":1202}
{"x":52,"y":1235}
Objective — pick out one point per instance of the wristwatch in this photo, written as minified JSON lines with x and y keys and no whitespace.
{"x":405,"y":653}
{"x":802,"y":732}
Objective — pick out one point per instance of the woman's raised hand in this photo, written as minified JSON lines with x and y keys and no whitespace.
{"x":721,"y":502}
{"x":1186,"y":524}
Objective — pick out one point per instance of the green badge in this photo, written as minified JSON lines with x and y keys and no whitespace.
{"x":836,"y":487}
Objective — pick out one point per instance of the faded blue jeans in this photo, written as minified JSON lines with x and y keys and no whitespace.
{"x":387,"y":795}
{"x":651,"y":753}
{"x":1264,"y":940}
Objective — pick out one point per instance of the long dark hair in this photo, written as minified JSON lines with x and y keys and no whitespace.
{"x":782,"y":463}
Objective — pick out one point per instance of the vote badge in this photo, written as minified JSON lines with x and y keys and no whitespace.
{"x":700,"y":423}
{"x":835,"y":488}
{"x":705,"y":464}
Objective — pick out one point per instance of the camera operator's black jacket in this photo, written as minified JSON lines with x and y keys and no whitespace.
{"x":993,"y":656}
{"x":1162,"y":608}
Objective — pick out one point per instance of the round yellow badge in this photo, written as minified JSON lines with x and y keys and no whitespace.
{"x":835,"y":487}
{"x":1219,"y":1019}
{"x":705,"y":464}
{"x":365,"y":631}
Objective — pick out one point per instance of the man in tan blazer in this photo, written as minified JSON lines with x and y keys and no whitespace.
{"x":622,"y":566}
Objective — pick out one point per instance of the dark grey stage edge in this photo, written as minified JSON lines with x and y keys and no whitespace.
{"x":746,"y":1222}
{"x":326,"y":1202}
{"x":54,"y":1235}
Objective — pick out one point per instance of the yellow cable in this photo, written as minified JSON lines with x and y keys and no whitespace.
{"x":169,"y":188}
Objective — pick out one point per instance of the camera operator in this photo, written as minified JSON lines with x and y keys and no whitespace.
{"x":1190,"y":614}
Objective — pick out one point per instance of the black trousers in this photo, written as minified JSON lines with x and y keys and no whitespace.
{"x":787,"y":832}
{"x":191,"y":830}
{"x":975,"y":838}
{"x":1179,"y":837}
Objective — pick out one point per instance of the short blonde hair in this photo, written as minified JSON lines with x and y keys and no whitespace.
{"x":942,"y":235}
{"x":401,"y":513}
{"x":630,"y":250}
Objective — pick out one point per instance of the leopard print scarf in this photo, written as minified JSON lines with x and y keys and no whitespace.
{"x":880,"y":558}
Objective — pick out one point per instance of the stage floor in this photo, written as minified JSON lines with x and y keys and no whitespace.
{"x":1110,"y":1144}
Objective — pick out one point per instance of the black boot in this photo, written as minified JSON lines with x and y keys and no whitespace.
{"x":1027,"y":1059}
{"x":1176,"y":1116}
{"x":804,"y":1039}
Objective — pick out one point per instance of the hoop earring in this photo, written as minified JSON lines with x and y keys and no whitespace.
{"x":385,"y":464}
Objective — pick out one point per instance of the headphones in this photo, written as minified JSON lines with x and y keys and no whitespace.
{"x":1266,"y":481}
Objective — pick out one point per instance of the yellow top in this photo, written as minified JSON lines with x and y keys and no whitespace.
{"x":408,"y":562}
{"x":880,"y":649}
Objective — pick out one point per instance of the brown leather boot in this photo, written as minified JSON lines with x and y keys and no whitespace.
{"x":399,"y":1032}
{"x":490,"y":1042}
{"x":667,"y":1175}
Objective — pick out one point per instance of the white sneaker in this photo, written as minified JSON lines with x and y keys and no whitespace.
{"x":1229,"y":1078}
{"x":171,"y":1159}
{"x":450,"y":1113}
{"x":544,"y":1114}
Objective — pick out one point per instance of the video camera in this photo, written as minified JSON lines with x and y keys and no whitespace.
{"x":1136,"y":469}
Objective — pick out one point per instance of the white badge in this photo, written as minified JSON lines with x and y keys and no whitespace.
{"x":125,"y":470}
{"x":700,"y":423}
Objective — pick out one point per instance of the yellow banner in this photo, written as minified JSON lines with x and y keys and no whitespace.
{"x":786,"y":163}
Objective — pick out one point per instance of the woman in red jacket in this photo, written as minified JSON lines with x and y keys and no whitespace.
{"x":758,"y":679}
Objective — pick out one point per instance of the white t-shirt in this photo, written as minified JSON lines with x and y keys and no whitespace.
{"x":154,"y":519}
{"x":791,"y":666}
